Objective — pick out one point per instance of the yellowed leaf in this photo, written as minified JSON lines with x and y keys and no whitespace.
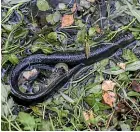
{"x":122,"y":65}
{"x":108,"y":85}
{"x":109,"y":98}
{"x":67,"y":20}
{"x":36,"y":110}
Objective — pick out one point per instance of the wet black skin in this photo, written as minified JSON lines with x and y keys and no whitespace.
{"x":75,"y":59}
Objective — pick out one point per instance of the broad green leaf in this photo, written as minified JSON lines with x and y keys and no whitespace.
{"x":129,"y":55}
{"x":79,"y":23}
{"x":46,"y":126}
{"x":132,"y":93}
{"x":49,"y":19}
{"x":39,"y":46}
{"x":5,"y":89}
{"x":138,"y":128}
{"x":56,"y":16}
{"x":52,"y":36}
{"x":81,"y":36}
{"x":92,"y":31}
{"x":27,"y":120}
{"x":93,"y":88}
{"x":133,"y":66}
{"x":125,"y":127}
{"x":124,"y":76}
{"x":43,"y":5}
{"x":6,"y":107}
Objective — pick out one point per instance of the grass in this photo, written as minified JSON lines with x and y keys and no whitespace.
{"x":79,"y":106}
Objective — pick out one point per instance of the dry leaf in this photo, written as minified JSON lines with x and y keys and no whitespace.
{"x":97,"y":28}
{"x":121,"y":107}
{"x":67,"y":20}
{"x":88,"y":115}
{"x":122,"y":65}
{"x":74,"y":7}
{"x":136,"y":86}
{"x":109,"y":98}
{"x":108,"y":85}
{"x":28,"y":74}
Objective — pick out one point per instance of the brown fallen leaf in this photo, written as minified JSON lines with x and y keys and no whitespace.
{"x":67,"y":20}
{"x":74,"y":8}
{"x":108,"y":85}
{"x":88,"y":115}
{"x":136,"y":86}
{"x":109,"y":98}
{"x":121,"y":107}
{"x":122,"y":65}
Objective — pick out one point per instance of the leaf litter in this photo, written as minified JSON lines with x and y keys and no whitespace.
{"x":108,"y":96}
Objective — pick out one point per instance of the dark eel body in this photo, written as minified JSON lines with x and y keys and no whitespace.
{"x":76,"y":59}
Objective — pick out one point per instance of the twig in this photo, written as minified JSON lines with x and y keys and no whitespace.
{"x":107,"y":125}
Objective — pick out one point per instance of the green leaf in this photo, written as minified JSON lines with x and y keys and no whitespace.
{"x":123,"y":76}
{"x":27,"y":120}
{"x":132,"y":93}
{"x":13,"y":59}
{"x":49,"y":19}
{"x":38,"y":46}
{"x":111,"y":72}
{"x":129,"y":55}
{"x":56,"y":16}
{"x":79,"y":23}
{"x":96,"y":120}
{"x":125,"y":127}
{"x":7,"y":27}
{"x":92,"y":31}
{"x":43,"y":5}
{"x":52,"y":36}
{"x":133,"y":10}
{"x":7,"y":104}
{"x":93,"y":88}
{"x":46,"y":126}
{"x":5,"y":89}
{"x":133,"y":66}
{"x":81,"y":36}
{"x":138,"y":128}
